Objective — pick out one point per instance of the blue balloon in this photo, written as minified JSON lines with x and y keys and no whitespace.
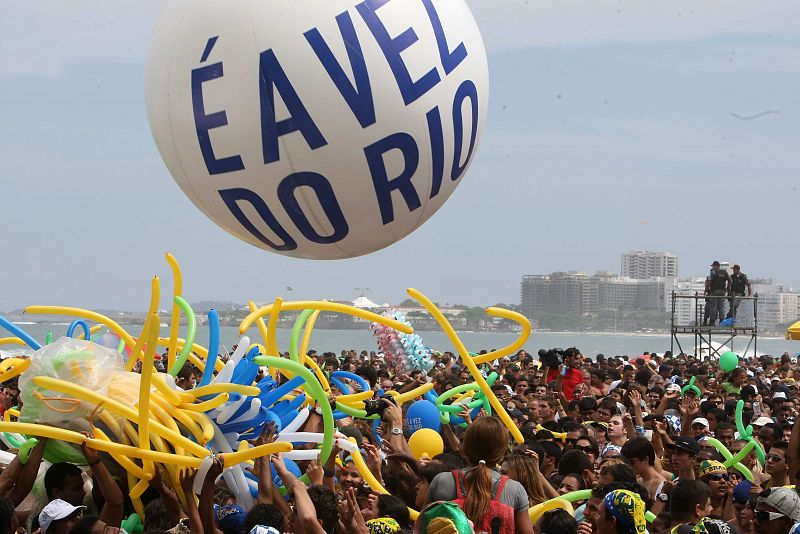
{"x":375,"y":425}
{"x":423,"y":414}
{"x":350,"y":376}
{"x":341,"y":386}
{"x":273,"y":417}
{"x":290,"y":466}
{"x":256,"y":423}
{"x":246,"y":370}
{"x":287,"y":417}
{"x":273,"y":396}
{"x":87,"y":335}
{"x":20,"y":333}
{"x":213,"y":347}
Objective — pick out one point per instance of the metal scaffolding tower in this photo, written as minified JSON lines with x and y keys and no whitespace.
{"x":704,"y":329}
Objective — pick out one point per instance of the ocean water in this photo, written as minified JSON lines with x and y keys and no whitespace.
{"x":610,"y":344}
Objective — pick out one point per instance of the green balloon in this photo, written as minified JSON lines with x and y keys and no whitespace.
{"x":729,"y":361}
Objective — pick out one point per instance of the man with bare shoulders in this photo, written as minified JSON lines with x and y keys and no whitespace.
{"x":642,"y":457}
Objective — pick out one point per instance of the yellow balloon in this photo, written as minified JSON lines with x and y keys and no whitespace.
{"x":304,"y":351}
{"x":11,"y":367}
{"x":538,"y":511}
{"x":514,"y":347}
{"x":151,"y":329}
{"x":227,"y":387}
{"x":86,"y":314}
{"x":272,"y":325}
{"x":177,"y":291}
{"x":300,"y":305}
{"x":425,"y":442}
{"x":369,"y":478}
{"x":92,"y":331}
{"x":468,"y":362}
{"x":400,"y":398}
{"x":355,"y":397}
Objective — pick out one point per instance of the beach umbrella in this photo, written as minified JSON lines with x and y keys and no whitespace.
{"x":793,"y":332}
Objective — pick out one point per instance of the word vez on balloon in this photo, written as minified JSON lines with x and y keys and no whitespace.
{"x":359,"y":98}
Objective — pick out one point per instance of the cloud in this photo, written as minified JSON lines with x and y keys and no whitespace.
{"x":513,"y":24}
{"x":674,"y":140}
{"x":777,"y":58}
{"x":42,"y":38}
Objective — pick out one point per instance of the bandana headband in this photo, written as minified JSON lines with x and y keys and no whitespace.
{"x":628,"y":508}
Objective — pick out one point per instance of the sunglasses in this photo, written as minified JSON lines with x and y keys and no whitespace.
{"x":584,"y":448}
{"x":766,"y":517}
{"x":718,"y":477}
{"x":774,"y":458}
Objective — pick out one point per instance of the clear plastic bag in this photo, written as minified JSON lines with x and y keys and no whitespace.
{"x":77,"y":361}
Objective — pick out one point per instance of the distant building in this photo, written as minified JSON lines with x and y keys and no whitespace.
{"x":644,"y":264}
{"x":568,"y":293}
{"x":577,"y":293}
{"x":777,"y":304}
{"x":535,"y":294}
{"x":686,"y":313}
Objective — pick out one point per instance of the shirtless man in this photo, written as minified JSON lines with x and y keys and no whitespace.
{"x":642,"y":457}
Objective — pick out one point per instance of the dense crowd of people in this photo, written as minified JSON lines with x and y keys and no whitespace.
{"x":629,"y":431}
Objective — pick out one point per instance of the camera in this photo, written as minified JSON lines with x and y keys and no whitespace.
{"x":377,"y":406}
{"x":551,"y":358}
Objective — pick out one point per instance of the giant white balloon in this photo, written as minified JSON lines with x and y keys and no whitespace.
{"x":317,"y":128}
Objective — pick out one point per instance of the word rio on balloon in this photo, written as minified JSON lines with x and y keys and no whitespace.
{"x":317,"y":129}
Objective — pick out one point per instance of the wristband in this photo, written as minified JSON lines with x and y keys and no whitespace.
{"x":640,"y":430}
{"x":328,"y":472}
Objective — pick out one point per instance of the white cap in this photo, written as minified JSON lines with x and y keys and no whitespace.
{"x":673,"y":387}
{"x":614,"y":385}
{"x":750,"y":373}
{"x":779,"y":395}
{"x":761,"y":421}
{"x":700,"y":421}
{"x":55,"y":510}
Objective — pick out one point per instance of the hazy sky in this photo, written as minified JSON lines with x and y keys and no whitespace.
{"x":609,"y":128}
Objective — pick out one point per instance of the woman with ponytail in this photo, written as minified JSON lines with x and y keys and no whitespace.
{"x":494,"y":503}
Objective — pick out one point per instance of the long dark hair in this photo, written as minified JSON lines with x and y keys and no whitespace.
{"x":485,"y":443}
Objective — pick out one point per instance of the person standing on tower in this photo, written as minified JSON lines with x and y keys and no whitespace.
{"x":718,"y":282}
{"x":736,"y":288}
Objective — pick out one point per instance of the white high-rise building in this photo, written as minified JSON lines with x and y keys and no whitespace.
{"x":686,"y":309}
{"x":643,"y":264}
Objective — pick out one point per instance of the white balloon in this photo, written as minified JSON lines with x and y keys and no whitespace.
{"x":317,"y":129}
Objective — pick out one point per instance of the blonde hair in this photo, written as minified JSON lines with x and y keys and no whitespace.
{"x":522,"y":469}
{"x":485,"y":444}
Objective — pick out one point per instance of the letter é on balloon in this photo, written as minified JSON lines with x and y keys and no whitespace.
{"x":271,"y":77}
{"x":359,"y":97}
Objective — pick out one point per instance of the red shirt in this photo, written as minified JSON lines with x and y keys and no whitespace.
{"x":570,"y":381}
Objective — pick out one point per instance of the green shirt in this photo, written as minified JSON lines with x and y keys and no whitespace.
{"x":730,"y":388}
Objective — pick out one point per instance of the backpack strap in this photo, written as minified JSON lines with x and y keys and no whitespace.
{"x":500,"y":485}
{"x":458,"y":478}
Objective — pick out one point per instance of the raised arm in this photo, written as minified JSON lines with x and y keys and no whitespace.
{"x":187,"y":481}
{"x":26,"y":476}
{"x":303,"y":506}
{"x":206,"y":505}
{"x":111,"y":514}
